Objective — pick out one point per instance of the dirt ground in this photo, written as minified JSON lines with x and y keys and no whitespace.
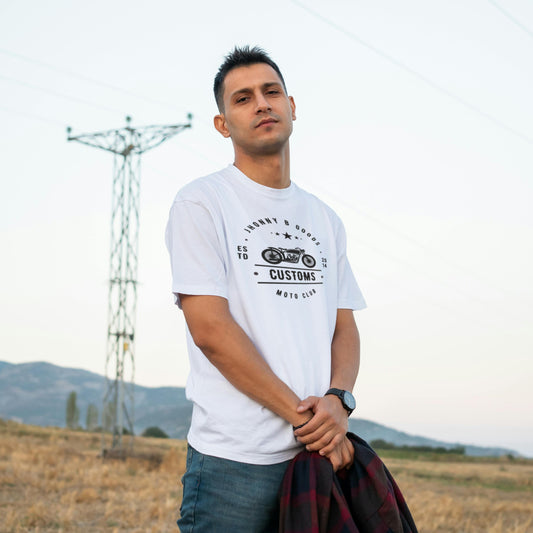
{"x":55,"y":480}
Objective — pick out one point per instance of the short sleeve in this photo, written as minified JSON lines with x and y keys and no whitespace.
{"x":349,"y":293}
{"x":196,"y":256}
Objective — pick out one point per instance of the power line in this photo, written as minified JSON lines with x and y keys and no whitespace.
{"x":94,"y":81}
{"x":194,"y":151}
{"x":421,"y":272}
{"x":448,"y":93}
{"x":61,"y":95}
{"x":33,"y":116}
{"x":427,"y":250}
{"x":347,"y":205}
{"x":511,"y":18}
{"x":79,"y":100}
{"x":450,"y":286}
{"x":389,"y":228}
{"x":415,"y":73}
{"x":346,"y":32}
{"x":452,"y":312}
{"x":85,"y":78}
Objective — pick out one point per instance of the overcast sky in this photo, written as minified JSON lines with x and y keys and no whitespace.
{"x":414,"y":122}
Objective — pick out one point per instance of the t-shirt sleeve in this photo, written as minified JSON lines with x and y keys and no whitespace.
{"x":349,"y":293}
{"x":196,"y":257}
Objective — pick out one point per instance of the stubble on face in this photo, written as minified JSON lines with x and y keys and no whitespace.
{"x":257,"y":114}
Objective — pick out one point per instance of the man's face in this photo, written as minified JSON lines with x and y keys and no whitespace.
{"x":257,"y":113}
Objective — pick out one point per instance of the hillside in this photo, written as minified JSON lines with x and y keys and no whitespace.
{"x":36,"y":393}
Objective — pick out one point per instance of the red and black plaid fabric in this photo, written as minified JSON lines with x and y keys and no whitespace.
{"x":363,"y":499}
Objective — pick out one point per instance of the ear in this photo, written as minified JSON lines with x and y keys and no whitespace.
{"x":293,"y":107}
{"x":220,"y":125}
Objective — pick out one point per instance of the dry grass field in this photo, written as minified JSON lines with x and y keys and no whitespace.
{"x":54,"y":480}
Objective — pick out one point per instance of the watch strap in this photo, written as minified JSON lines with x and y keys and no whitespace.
{"x":340,"y":394}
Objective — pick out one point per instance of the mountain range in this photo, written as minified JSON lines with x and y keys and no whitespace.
{"x":36,"y":393}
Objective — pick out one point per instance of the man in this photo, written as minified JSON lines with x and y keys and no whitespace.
{"x":260,"y":271}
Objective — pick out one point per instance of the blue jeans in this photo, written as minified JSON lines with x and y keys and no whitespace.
{"x":223,"y":496}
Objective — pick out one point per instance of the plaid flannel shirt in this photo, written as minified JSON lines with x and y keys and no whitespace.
{"x":363,"y":499}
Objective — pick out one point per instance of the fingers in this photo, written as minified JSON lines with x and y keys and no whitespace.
{"x":339,"y":458}
{"x":342,"y":456}
{"x":336,"y":460}
{"x":327,"y":427}
{"x":319,"y":438}
{"x":309,"y":403}
{"x":326,"y":430}
{"x":333,"y":443}
{"x":350,"y":451}
{"x":327,"y":415}
{"x":321,"y":443}
{"x":314,"y":429}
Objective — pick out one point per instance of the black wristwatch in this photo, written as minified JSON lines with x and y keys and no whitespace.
{"x":346,"y":397}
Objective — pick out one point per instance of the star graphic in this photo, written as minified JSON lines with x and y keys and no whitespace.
{"x":287,"y":236}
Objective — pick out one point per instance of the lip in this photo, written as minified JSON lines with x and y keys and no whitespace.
{"x":266,"y":121}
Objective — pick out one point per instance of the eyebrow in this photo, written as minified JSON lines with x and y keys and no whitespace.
{"x":246,"y":90}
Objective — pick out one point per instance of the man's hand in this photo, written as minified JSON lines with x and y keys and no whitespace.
{"x":342,"y":456}
{"x":327,"y":429}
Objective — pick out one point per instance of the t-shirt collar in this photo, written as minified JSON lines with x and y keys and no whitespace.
{"x":244,"y":180}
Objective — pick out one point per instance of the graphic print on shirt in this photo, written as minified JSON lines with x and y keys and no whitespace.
{"x":275,"y":256}
{"x":286,"y":257}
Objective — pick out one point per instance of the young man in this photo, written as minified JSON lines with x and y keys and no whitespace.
{"x":260,"y":271}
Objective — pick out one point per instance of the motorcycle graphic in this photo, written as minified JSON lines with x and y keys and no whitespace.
{"x":274,"y":256}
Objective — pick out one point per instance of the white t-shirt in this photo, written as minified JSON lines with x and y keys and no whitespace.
{"x":279,"y":257}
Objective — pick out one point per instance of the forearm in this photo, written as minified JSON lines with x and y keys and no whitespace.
{"x":345,"y":352}
{"x":231,"y":351}
{"x":327,"y":429}
{"x":237,"y":359}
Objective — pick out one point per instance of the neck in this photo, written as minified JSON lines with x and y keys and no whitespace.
{"x":269,"y":170}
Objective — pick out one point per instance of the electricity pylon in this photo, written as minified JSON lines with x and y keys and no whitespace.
{"x":127,"y":144}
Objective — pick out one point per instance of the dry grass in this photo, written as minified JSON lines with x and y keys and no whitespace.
{"x":468,"y":497}
{"x":54,"y":480}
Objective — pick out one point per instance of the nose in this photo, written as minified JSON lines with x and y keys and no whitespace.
{"x":261,"y":104}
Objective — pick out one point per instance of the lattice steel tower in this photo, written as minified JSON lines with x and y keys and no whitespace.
{"x":127,"y":144}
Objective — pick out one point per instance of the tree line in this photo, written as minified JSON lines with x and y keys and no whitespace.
{"x":72,"y":418}
{"x":72,"y":415}
{"x":380,"y":444}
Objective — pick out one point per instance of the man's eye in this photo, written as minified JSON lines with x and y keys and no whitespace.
{"x":242,"y":99}
{"x":273,"y":91}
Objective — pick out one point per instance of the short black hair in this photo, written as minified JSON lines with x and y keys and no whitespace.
{"x":241,"y":57}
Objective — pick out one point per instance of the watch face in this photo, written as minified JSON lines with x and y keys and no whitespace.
{"x":349,"y":400}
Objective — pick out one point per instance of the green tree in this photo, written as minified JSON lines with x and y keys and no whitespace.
{"x":108,"y":416}
{"x":154,"y":431}
{"x":73,"y":413}
{"x":91,"y":421}
{"x":382,"y":444}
